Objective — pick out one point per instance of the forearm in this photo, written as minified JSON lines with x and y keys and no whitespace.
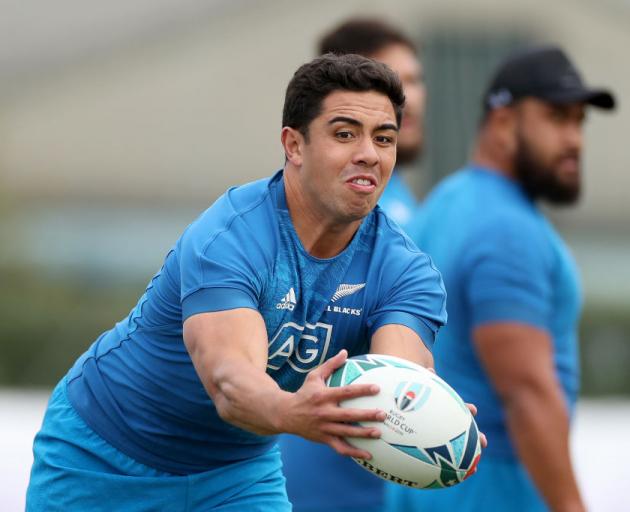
{"x":401,"y":341}
{"x":539,"y":426}
{"x":229,"y":352}
{"x":246,"y":397}
{"x":242,"y":392}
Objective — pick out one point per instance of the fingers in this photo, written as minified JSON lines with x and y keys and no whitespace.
{"x":351,"y":391}
{"x":482,"y":437}
{"x":347,"y":430}
{"x":342,"y":447}
{"x":338,"y":414}
{"x":329,"y":366}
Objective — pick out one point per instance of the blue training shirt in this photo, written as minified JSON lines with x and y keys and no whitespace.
{"x":501,"y":261}
{"x":136,"y":385}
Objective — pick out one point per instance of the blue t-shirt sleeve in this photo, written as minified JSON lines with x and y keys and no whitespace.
{"x":220,"y":265}
{"x":415,"y":297}
{"x":506,"y":272}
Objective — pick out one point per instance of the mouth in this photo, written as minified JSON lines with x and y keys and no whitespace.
{"x":364,"y":183}
{"x":570,"y":165}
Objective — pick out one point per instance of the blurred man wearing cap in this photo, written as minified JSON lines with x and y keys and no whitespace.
{"x":513,"y":293}
{"x":318,"y":479}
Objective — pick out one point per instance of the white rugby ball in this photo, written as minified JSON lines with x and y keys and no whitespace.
{"x":429,"y":439}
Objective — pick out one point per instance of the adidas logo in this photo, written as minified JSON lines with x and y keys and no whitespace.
{"x":346,"y":289}
{"x":288,"y":301}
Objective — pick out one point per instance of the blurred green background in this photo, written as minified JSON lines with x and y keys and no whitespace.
{"x":48,"y":322}
{"x":118,"y":126}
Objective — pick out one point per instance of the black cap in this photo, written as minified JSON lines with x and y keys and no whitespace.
{"x":545,"y":73}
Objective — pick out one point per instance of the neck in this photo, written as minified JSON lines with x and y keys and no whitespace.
{"x":490,"y":155}
{"x":320,"y":235}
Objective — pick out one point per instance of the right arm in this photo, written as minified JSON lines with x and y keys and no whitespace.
{"x":229,"y":352}
{"x":228,"y":344}
{"x":519,"y":361}
{"x":508,"y":285}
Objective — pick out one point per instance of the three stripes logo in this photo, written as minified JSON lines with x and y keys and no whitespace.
{"x":410,"y":396}
{"x":346,"y":289}
{"x":288,"y":301}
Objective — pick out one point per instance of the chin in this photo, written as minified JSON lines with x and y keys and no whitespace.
{"x":359,"y":213}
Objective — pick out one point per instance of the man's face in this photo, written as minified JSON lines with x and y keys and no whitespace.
{"x":404,"y":62}
{"x":549,"y":145}
{"x":348,"y":155}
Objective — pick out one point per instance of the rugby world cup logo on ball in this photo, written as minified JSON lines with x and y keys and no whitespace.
{"x":410,"y":396}
{"x":429,"y":439}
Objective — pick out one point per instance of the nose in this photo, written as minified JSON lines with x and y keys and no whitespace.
{"x":574,"y":135}
{"x":366,"y":153}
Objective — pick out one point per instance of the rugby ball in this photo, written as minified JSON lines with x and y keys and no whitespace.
{"x":429,"y":439}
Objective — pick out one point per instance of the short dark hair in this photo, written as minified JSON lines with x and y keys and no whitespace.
{"x":314,"y":81}
{"x":363,"y":36}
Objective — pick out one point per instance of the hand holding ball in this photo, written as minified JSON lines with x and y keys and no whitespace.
{"x":429,"y":439}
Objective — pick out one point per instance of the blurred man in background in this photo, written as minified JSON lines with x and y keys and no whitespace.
{"x":513,"y":293}
{"x":318,"y":479}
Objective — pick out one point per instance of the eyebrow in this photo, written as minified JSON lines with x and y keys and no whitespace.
{"x":354,"y":122}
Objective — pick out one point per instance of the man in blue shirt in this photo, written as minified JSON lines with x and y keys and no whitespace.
{"x":336,"y":482}
{"x":373,"y":38}
{"x":514,"y":298}
{"x":176,"y":407}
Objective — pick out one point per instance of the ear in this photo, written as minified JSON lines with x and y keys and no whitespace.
{"x":506,"y":124}
{"x":293,"y":144}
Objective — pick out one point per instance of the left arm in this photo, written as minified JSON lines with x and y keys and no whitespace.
{"x":401,"y":341}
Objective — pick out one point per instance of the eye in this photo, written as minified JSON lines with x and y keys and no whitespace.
{"x":344,"y":134}
{"x":558,"y":114}
{"x":384,"y":140}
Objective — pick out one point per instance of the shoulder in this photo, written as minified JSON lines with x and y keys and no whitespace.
{"x":390,"y":235}
{"x":242,"y":209}
{"x":241,"y":200}
{"x":396,"y":253}
{"x":405,"y":285}
{"x":462,"y":182}
{"x":487,"y":207}
{"x":512,"y":224}
{"x":240,"y":222}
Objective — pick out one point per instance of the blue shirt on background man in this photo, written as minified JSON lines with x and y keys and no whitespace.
{"x":398,"y":201}
{"x":501,"y":261}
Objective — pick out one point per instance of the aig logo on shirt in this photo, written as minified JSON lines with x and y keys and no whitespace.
{"x":301,"y":347}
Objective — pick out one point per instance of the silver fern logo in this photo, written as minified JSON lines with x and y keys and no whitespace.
{"x":346,"y":289}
